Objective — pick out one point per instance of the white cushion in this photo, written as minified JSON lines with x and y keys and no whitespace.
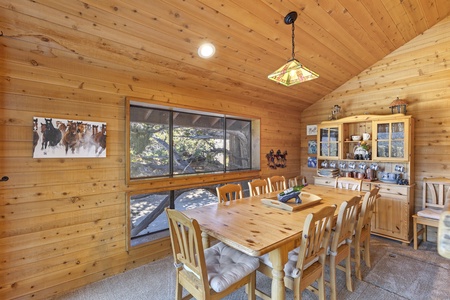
{"x":290,"y":268}
{"x":430,"y":213}
{"x":226,"y":266}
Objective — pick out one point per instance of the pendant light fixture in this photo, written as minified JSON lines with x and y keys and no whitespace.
{"x":293,"y":71}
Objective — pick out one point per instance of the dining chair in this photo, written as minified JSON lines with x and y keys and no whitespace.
{"x":276,"y":183}
{"x":341,"y":239}
{"x":296,"y":181}
{"x":258,"y":187}
{"x":306,"y":264}
{"x":229,"y":192}
{"x":361,"y":239}
{"x":210,"y":273}
{"x":436,"y":191}
{"x":348,"y":183}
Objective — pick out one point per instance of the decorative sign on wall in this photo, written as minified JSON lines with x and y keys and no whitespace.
{"x":56,"y":138}
{"x":312,"y":162}
{"x":311,"y":129}
{"x":276,"y":160}
{"x":312,"y":147}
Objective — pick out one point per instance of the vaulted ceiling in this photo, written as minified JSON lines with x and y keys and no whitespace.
{"x":336,"y":38}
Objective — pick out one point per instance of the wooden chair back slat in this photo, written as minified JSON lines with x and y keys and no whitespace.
{"x":436,"y":191}
{"x":229,"y":192}
{"x":348,"y":183}
{"x":316,"y":235}
{"x":276,"y":183}
{"x":187,"y":248}
{"x":258,"y":187}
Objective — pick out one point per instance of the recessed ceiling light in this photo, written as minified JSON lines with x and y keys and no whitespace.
{"x":206,"y":50}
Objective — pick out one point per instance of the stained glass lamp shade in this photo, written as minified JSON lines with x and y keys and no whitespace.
{"x":293,"y":71}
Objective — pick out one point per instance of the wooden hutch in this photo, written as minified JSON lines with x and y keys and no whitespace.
{"x":390,"y":150}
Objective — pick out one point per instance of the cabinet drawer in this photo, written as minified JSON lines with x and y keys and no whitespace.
{"x":366,"y":187}
{"x":328,"y":181}
{"x":392,"y":189}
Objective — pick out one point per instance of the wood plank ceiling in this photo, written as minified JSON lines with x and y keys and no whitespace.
{"x":159,"y":39}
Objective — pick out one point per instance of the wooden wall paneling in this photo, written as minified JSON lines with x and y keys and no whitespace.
{"x":41,"y":262}
{"x":49,"y":283}
{"x":13,"y":245}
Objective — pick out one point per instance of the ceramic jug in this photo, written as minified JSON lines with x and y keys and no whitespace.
{"x":369,"y":173}
{"x":366,"y":136}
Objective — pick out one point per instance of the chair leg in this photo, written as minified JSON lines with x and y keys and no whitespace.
{"x":251,"y":286}
{"x":178,"y":291}
{"x":424,"y":235}
{"x":348,"y":273}
{"x":367,"y":252}
{"x":358,"y":261}
{"x":333,"y":277}
{"x":321,"y":285}
{"x":415,"y":233}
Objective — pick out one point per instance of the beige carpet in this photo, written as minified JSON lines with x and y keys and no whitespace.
{"x":398,"y":272}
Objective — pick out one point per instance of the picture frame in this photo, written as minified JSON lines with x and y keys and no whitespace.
{"x":312,"y":147}
{"x":311,"y":129}
{"x":64,"y":138}
{"x":312,"y":162}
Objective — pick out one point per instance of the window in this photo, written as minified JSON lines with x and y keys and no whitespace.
{"x":147,"y":218}
{"x":173,"y":142}
{"x":171,"y":146}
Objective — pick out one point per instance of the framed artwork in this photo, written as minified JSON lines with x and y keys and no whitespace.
{"x":312,"y":147}
{"x":59,"y":138}
{"x":312,"y":162}
{"x":311,"y":129}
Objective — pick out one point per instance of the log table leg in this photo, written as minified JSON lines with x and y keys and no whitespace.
{"x":278,"y":257}
{"x":205,"y":240}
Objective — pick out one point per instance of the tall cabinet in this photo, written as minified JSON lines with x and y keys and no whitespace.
{"x":387,"y":150}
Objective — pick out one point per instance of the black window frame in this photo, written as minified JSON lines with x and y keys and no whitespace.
{"x":171,"y":111}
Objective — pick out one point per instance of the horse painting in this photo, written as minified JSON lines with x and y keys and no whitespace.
{"x":68,"y":138}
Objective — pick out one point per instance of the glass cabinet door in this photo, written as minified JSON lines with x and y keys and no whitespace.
{"x":391,"y":141}
{"x":329,"y":142}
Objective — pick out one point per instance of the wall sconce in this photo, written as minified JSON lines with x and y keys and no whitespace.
{"x":398,"y":106}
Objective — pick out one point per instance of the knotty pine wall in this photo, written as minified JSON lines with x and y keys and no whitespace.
{"x":418,"y":72}
{"x":63,"y":221}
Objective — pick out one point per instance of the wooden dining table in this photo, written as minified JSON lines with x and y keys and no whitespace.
{"x":255,"y":228}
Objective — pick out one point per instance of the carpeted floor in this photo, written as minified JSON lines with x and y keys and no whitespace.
{"x":398,"y":272}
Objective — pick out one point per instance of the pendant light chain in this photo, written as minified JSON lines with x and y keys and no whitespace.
{"x":293,"y":38}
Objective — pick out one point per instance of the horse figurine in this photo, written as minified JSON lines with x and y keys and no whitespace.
{"x":271,"y":159}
